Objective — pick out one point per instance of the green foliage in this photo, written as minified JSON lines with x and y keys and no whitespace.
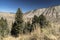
{"x":3,"y":27}
{"x":28,"y":28}
{"x":35,"y":19}
{"x":18,"y":16}
{"x":42,"y":20}
{"x":17,"y":25}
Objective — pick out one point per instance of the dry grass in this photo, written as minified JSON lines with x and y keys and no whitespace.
{"x":47,"y":33}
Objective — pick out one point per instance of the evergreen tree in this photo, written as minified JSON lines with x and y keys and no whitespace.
{"x":28,"y":28}
{"x":17,"y":26}
{"x":42,"y":20}
{"x":4,"y":30}
{"x":35,"y":19}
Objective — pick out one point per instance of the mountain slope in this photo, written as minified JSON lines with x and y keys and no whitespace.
{"x":51,"y":13}
{"x":52,"y":31}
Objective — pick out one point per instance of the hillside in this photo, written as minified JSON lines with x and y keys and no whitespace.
{"x":51,"y":32}
{"x":51,"y":13}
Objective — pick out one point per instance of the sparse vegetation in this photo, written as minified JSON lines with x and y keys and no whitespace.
{"x":33,"y":38}
{"x":38,"y":24}
{"x":46,"y":38}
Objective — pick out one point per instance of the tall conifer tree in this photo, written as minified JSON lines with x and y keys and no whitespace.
{"x":17,"y":25}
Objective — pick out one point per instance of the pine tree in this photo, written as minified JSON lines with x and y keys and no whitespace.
{"x":28,"y":28}
{"x":35,"y":19}
{"x":4,"y":30}
{"x":17,"y":25}
{"x":42,"y":20}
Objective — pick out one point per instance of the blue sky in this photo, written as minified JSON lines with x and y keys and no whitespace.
{"x":25,"y":5}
